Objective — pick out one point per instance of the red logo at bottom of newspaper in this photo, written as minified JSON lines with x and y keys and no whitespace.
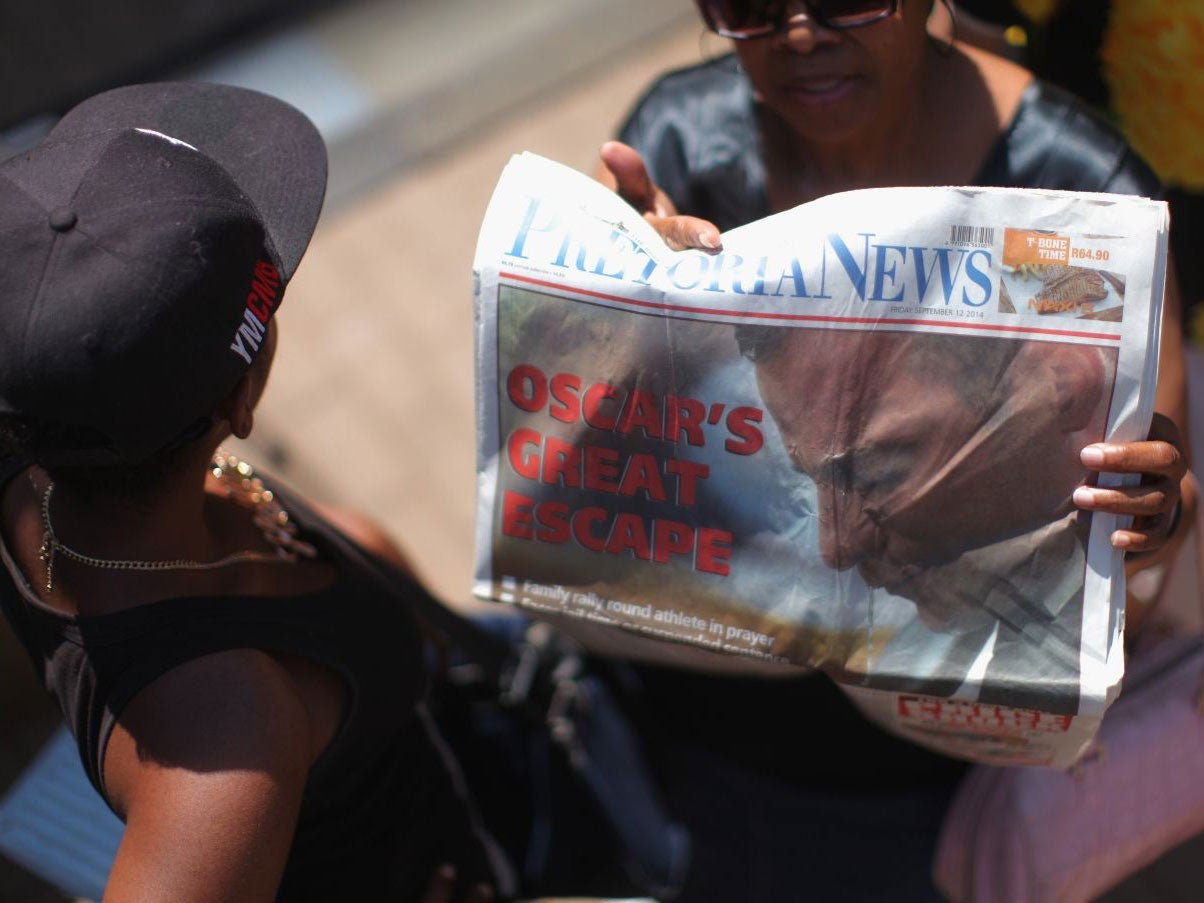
{"x":977,"y":717}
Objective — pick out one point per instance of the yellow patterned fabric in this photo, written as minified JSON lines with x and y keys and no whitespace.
{"x":1037,"y":11}
{"x":1153,"y":61}
{"x":1195,"y":326}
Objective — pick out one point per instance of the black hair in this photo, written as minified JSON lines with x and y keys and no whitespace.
{"x":48,"y":445}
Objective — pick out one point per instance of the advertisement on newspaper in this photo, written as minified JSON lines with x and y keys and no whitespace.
{"x":847,"y":441}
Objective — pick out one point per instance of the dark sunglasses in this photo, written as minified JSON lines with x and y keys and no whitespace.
{"x":743,"y":19}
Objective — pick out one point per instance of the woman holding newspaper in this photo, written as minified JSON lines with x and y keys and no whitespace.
{"x":819,"y":97}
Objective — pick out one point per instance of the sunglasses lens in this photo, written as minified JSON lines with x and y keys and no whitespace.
{"x":753,"y":18}
{"x":743,"y":18}
{"x":851,"y":13}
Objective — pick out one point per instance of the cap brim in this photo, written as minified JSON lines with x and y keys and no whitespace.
{"x":270,"y":149}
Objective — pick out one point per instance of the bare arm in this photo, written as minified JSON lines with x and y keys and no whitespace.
{"x":208,"y":764}
{"x":1172,"y":369}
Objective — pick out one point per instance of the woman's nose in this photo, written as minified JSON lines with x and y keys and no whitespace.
{"x":801,"y":32}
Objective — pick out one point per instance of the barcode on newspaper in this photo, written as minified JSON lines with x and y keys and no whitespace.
{"x":982,"y":236}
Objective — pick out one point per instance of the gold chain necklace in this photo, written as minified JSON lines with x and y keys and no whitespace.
{"x":242,"y":484}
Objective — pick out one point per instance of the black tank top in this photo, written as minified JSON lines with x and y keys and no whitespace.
{"x":381,"y":809}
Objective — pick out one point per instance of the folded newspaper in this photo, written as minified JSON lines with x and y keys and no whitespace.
{"x":847,"y":441}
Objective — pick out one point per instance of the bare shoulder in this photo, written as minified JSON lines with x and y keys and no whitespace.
{"x":238,"y":707}
{"x":974,"y":96}
{"x":208,"y":765}
{"x":368,"y":533}
{"x":1004,"y":80}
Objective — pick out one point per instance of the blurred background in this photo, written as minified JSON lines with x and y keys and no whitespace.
{"x":421,"y":103}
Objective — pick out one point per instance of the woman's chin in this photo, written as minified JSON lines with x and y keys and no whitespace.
{"x":825,"y":112}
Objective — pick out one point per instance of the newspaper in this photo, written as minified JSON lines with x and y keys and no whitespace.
{"x":847,"y":442}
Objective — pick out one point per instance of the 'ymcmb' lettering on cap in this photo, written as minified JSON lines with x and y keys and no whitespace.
{"x":261,"y":301}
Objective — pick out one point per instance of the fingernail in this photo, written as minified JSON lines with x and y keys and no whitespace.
{"x":1121,"y":540}
{"x":1092,"y":456}
{"x":709,"y":239}
{"x":1084,"y":497}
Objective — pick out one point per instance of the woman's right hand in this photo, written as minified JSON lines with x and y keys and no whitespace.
{"x":623,"y":171}
{"x":442,"y":888}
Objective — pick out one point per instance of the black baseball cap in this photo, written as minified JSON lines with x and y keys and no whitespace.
{"x":144,"y":247}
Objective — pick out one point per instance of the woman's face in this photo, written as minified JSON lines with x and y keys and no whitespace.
{"x":831,"y":86}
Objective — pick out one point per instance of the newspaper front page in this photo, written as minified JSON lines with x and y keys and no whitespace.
{"x":847,"y":441}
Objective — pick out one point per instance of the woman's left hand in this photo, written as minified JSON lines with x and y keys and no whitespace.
{"x":623,"y":171}
{"x":1155,"y":503}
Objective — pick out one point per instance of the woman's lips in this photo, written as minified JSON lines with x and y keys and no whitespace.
{"x":820,"y":90}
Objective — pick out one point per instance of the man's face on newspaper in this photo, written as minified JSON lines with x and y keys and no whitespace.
{"x":923,"y":447}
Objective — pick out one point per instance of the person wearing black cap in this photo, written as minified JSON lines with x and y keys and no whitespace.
{"x":244,"y":682}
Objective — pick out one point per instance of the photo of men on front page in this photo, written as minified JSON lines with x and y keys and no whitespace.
{"x":884,"y":501}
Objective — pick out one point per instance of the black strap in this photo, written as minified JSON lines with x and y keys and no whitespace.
{"x":490,"y":652}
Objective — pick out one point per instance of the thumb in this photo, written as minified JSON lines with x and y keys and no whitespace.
{"x":630,"y":179}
